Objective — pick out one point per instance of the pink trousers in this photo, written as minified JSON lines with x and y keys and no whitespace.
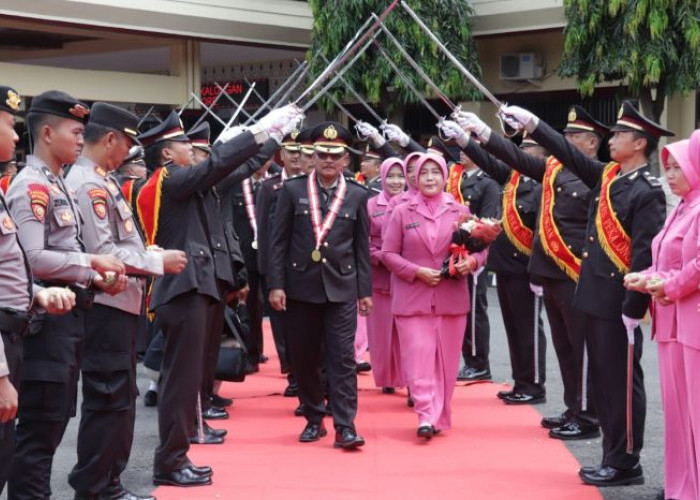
{"x":691,"y":438}
{"x":361,"y":338}
{"x":384,"y":343}
{"x":430,"y":353}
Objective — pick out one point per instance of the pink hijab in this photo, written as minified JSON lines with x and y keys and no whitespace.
{"x":687,"y":154}
{"x":406,"y":161}
{"x":384,"y":171}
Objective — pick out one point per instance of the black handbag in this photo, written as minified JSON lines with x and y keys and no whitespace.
{"x":232,"y":359}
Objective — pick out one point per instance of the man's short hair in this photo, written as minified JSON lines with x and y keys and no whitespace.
{"x":652,"y":142}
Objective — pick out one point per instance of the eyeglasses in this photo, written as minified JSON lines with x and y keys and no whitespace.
{"x":329,"y":156}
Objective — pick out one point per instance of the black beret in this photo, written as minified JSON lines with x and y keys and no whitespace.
{"x":57,"y":103}
{"x":9,"y":100}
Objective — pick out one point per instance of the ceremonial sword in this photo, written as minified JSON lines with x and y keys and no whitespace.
{"x":235,"y":114}
{"x":300,"y":69}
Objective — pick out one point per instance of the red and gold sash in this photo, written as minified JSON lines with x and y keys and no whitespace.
{"x":517,"y":232}
{"x":613,"y":239}
{"x":454,"y":182}
{"x":5,"y":181}
{"x":359,"y":177}
{"x":148,"y":204}
{"x":128,"y":191}
{"x":550,"y":237}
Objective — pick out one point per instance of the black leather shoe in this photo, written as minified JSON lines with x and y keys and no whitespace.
{"x":611,"y":476}
{"x":208,"y":439}
{"x":518,"y":398}
{"x":182,"y":477}
{"x":426,"y":432}
{"x":313,"y":432}
{"x":250,"y":368}
{"x":501,"y":394}
{"x":573,"y":430}
{"x":589,"y":469}
{"x":472,"y":374}
{"x":363,"y":367}
{"x":150,"y":398}
{"x":263,"y":359}
{"x":116,"y":491}
{"x":300,"y":410}
{"x":200,"y":470}
{"x":214,"y":432}
{"x":215,"y":414}
{"x":347,"y":438}
{"x":221,"y":402}
{"x":554,"y":422}
{"x":388,"y":390}
{"x":291,"y":391}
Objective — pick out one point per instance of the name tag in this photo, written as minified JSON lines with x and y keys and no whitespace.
{"x":60,"y":202}
{"x":412,"y":225}
{"x":303,"y":201}
{"x":378,"y":214}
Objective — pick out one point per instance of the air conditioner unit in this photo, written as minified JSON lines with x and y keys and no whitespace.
{"x":522,"y":66}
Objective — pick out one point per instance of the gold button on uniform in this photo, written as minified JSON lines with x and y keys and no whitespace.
{"x":324,"y":260}
{"x":591,"y":239}
{"x":325,"y":243}
{"x":585,"y":255}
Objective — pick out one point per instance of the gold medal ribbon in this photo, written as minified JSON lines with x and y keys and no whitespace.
{"x":321,"y":228}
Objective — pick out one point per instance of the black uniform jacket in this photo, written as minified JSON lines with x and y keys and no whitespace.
{"x":639,"y":202}
{"x":571,"y":200}
{"x":190,"y":221}
{"x":504,"y":257}
{"x":344,"y":274}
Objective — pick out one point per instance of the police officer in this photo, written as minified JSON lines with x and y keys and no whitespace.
{"x":48,"y":225}
{"x":178,"y":209}
{"x":20,"y":298}
{"x":556,"y":257}
{"x":508,"y":258}
{"x":109,"y":355}
{"x":319,"y":268}
{"x":626,"y":212}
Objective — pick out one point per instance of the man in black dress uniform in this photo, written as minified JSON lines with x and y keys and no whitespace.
{"x":319,"y":269}
{"x":627,"y":211}
{"x":556,"y":257}
{"x":178,"y":209}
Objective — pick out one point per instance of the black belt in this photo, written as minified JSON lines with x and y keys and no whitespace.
{"x":84,"y":297}
{"x":15,"y":322}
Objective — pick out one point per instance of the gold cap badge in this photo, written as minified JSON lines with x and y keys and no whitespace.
{"x":621,"y":112}
{"x":79,"y":111}
{"x":294,"y":134}
{"x":13,"y":100}
{"x":330,"y":133}
{"x":572,"y":115}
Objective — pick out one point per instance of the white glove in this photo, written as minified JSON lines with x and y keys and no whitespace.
{"x":630,"y":324}
{"x":451,"y":130}
{"x":395,"y":134}
{"x":279,"y":122}
{"x":369,"y":132}
{"x":519,"y":118}
{"x":230,"y":133}
{"x":537,"y":290}
{"x":472,"y":123}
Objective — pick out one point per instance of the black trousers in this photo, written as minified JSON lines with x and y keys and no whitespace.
{"x":183,"y":321}
{"x":212,"y":346}
{"x":607,"y":347}
{"x":47,"y":401}
{"x":323,"y":335}
{"x":279,"y":332}
{"x":482,"y":334}
{"x":518,"y":310}
{"x":13,"y":355}
{"x":254,"y":304}
{"x":107,"y":414}
{"x":568,"y":326}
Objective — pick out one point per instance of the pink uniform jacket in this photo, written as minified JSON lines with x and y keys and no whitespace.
{"x":377,"y":209}
{"x":416,"y":238}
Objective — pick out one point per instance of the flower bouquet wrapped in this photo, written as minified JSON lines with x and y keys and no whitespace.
{"x":471,"y":236}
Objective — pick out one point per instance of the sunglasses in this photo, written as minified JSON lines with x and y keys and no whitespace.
{"x":329,"y":156}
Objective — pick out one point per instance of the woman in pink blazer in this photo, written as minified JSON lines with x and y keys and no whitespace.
{"x":381,"y":331}
{"x":409,"y":167}
{"x":430,"y":312}
{"x":673,"y":281}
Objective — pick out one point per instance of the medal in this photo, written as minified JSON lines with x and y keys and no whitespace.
{"x":321,"y":229}
{"x":254,"y":244}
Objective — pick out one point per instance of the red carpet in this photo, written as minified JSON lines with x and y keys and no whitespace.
{"x":492,"y":452}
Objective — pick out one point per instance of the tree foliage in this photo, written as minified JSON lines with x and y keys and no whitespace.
{"x":336,"y":21}
{"x":645,"y":44}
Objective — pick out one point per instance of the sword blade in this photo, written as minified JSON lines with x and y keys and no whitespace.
{"x":487,"y":93}
{"x":210,"y":108}
{"x":230,"y":99}
{"x":235,"y":114}
{"x":207,"y":110}
{"x":290,"y":79}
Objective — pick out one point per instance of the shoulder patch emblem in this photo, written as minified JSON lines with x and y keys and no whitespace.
{"x":38,"y":199}
{"x":99,"y":201}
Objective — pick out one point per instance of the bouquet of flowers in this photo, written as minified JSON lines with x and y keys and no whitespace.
{"x":471,"y":236}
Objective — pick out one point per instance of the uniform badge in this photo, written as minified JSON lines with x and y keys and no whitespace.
{"x":100,"y":171}
{"x":572,"y":116}
{"x":100,"y":209}
{"x":38,"y":200}
{"x":79,"y":111}
{"x":13,"y":100}
{"x":7,"y":223}
{"x":99,"y":201}
{"x":330,"y":133}
{"x":128,"y":226}
{"x":55,"y":189}
{"x":66,"y":216}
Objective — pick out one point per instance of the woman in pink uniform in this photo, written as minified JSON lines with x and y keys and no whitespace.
{"x":430,"y":312}
{"x":673,"y":281}
{"x":409,"y":166}
{"x":383,"y":340}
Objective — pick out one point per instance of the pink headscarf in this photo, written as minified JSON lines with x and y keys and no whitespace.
{"x":406,"y":161}
{"x":384,"y":171}
{"x":687,"y":154}
{"x":433,"y":202}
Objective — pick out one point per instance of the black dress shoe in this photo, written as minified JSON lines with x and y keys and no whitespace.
{"x":469,"y":374}
{"x":150,"y":398}
{"x":215,"y":414}
{"x":200,"y":470}
{"x":554,"y":422}
{"x":182,"y":477}
{"x":221,"y":402}
{"x":263,"y":359}
{"x":426,"y":432}
{"x":573,"y":430}
{"x":502,"y":394}
{"x":208,"y":439}
{"x":313,"y":432}
{"x":611,"y":476}
{"x":388,"y":390}
{"x":214,"y":432}
{"x":116,"y":491}
{"x":347,"y":438}
{"x":291,"y":391}
{"x":300,"y":410}
{"x":589,"y":469}
{"x":518,"y":398}
{"x":363,"y":367}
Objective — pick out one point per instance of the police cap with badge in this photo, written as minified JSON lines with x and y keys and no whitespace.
{"x":449,"y":151}
{"x":631,"y":120}
{"x":170,"y":129}
{"x":332,"y":138}
{"x":200,"y":136}
{"x":580,"y":120}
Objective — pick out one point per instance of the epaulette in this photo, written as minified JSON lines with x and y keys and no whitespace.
{"x":270,"y":179}
{"x":296,"y":177}
{"x":358,"y":184}
{"x":653,"y":181}
{"x":375,"y":190}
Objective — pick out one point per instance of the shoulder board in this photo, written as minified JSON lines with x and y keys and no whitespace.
{"x":651,"y":180}
{"x":272,"y":178}
{"x":375,"y":190}
{"x":356,"y":183}
{"x":296,"y":177}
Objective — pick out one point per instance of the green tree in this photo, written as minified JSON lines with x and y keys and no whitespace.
{"x":652,"y":46}
{"x":336,"y":21}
